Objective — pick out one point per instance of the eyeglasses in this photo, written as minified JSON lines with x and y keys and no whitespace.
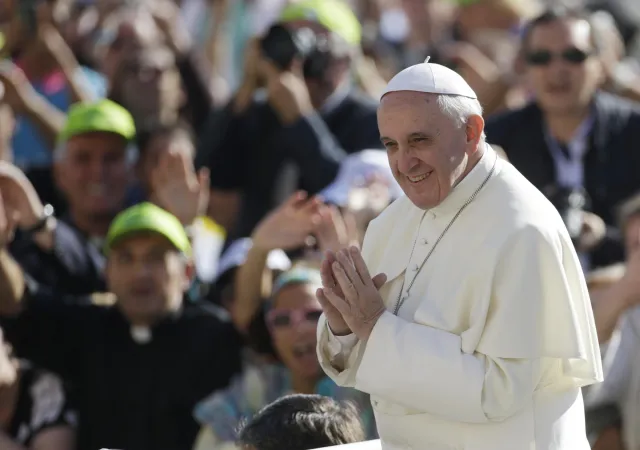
{"x":545,"y":57}
{"x":284,"y":318}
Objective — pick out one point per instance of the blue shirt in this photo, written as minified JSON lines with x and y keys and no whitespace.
{"x":29,"y":148}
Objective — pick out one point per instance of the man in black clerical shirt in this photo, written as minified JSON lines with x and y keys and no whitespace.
{"x":140,"y":365}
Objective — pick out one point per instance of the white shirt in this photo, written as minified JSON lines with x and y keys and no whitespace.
{"x":621,"y":386}
{"x":492,"y":346}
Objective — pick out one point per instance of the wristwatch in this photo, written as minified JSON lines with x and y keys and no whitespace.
{"x":47,"y":214}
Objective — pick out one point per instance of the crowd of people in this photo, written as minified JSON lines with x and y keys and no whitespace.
{"x":172,"y":172}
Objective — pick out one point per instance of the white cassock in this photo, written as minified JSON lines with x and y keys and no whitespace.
{"x":497,"y":336}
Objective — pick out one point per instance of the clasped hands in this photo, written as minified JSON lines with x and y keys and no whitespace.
{"x":349,"y":295}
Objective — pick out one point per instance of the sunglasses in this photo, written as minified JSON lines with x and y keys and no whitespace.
{"x":285,"y":318}
{"x":545,"y":57}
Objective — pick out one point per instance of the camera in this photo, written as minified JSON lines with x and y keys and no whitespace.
{"x":571,"y":204}
{"x":282,"y":46}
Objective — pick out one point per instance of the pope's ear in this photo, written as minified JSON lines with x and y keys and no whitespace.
{"x":475,"y":128}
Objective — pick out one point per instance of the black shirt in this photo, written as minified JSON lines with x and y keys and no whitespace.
{"x":252,"y":152}
{"x":43,"y":403}
{"x":611,"y":163}
{"x":133,"y":396}
{"x":44,"y":184}
{"x":74,"y":265}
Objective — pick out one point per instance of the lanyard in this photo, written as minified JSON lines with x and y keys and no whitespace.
{"x":569,"y":168}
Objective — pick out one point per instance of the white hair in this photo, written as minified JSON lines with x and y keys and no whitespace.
{"x":459,"y":109}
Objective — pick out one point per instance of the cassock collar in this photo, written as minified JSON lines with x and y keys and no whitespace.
{"x":403,"y":226}
{"x":468,"y":185}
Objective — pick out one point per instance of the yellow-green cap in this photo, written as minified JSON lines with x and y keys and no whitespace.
{"x":335,"y":15}
{"x":147,"y":217}
{"x":2,"y":40}
{"x":103,"y":115}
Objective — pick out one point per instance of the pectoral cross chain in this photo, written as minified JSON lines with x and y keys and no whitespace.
{"x":403,"y":298}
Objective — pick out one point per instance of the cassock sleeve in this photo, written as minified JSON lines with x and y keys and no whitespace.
{"x":537,"y":321}
{"x":340,"y":344}
{"x":335,"y":353}
{"x":340,"y":355}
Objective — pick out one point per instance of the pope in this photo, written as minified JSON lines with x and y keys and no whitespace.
{"x":466,"y":317}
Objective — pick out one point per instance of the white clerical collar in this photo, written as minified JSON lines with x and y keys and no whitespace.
{"x":468,"y":185}
{"x":141,"y":335}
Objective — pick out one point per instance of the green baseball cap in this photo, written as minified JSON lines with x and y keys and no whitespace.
{"x":150,"y":218}
{"x":103,"y":115}
{"x":335,"y":15}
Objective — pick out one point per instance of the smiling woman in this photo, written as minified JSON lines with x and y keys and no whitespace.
{"x":292,"y":317}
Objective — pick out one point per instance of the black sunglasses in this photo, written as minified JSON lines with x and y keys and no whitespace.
{"x":545,"y":57}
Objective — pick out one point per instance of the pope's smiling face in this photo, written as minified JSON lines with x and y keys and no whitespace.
{"x":429,"y":152}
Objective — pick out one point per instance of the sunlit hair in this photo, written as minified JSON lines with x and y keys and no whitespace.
{"x":459,"y":109}
{"x":302,"y":422}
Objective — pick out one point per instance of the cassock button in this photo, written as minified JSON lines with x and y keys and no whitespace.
{"x":424,"y":242}
{"x":433,"y":215}
{"x":416,"y":268}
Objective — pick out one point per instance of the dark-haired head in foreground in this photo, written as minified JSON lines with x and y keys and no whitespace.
{"x":302,"y":422}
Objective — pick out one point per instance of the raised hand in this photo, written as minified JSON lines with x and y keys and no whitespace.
{"x":336,"y":230}
{"x":20,"y":196}
{"x":178,"y":188}
{"x":349,"y":295}
{"x":367,"y":201}
{"x":288,"y":226}
{"x":17,"y":89}
{"x":8,"y":222}
{"x":593,"y":231}
{"x":166,"y":15}
{"x":336,"y":322}
{"x":288,"y":94}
